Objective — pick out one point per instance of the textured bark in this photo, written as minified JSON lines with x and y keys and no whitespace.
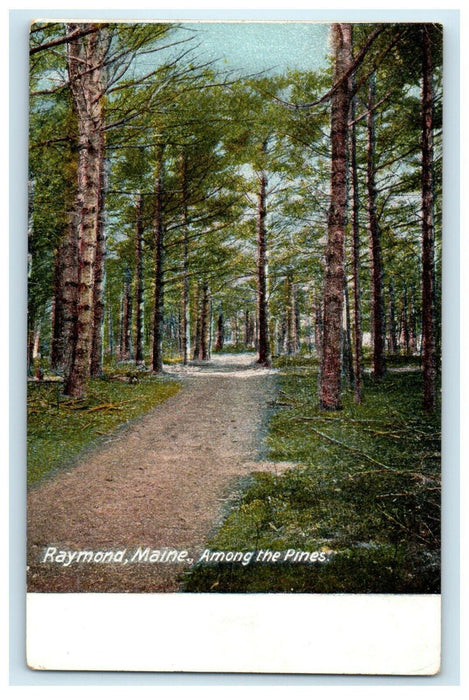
{"x":357,"y":318}
{"x":202,"y":341}
{"x":220,"y":334}
{"x":185,"y":331}
{"x":291,"y":336}
{"x":85,"y":70}
{"x":377,"y":302}
{"x":158,"y":301}
{"x":317,"y":323}
{"x":110,"y":330}
{"x":392,"y":326}
{"x":126,"y":345}
{"x":196,"y":326}
{"x":65,"y":299}
{"x":96,"y":362}
{"x":412,"y":322}
{"x":263,"y":349}
{"x":347,"y":339}
{"x":204,"y":350}
{"x":139,"y":282}
{"x":330,"y":382}
{"x":57,"y":318}
{"x":404,"y":330}
{"x":428,"y":234}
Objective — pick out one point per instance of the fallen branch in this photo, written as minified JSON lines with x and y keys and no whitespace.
{"x":355,"y":450}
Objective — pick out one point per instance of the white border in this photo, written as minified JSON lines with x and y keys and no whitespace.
{"x":241,"y":633}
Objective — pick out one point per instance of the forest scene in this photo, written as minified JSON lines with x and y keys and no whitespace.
{"x":234,"y":307}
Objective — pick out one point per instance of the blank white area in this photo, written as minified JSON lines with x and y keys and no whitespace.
{"x":341,"y":634}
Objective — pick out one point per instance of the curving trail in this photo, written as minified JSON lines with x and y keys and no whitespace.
{"x":163,"y":482}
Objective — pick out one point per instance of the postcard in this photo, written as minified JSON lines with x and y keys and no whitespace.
{"x":234,"y":346}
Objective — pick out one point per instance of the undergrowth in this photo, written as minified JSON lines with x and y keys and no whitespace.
{"x":366,"y":492}
{"x":59,"y":428}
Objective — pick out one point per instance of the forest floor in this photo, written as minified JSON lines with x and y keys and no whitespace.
{"x":164,"y":482}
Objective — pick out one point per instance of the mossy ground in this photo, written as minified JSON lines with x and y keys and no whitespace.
{"x":59,"y":428}
{"x":366,"y":491}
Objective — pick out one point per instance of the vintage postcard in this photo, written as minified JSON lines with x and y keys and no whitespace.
{"x":234,"y":346}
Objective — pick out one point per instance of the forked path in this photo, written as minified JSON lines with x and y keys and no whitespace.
{"x":162,"y":482}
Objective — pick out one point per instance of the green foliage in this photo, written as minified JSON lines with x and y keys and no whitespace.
{"x":365,"y":492}
{"x":60,"y":429}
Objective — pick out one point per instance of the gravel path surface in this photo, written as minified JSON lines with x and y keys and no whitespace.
{"x":164,"y":482}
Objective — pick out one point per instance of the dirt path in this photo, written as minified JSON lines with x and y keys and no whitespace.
{"x":163,"y":482}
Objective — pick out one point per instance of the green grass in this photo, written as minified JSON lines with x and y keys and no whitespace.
{"x":366,"y":492}
{"x":59,"y":429}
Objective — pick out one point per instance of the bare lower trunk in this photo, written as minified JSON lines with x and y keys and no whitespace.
{"x":185,"y":332}
{"x":204,"y":353}
{"x":263,"y":349}
{"x":347,"y":339}
{"x":126,"y":347}
{"x":330,"y":381}
{"x":428,"y":234}
{"x":85,"y":57}
{"x":139,"y":283}
{"x":404,"y":333}
{"x":57,"y":320}
{"x":220,"y":336}
{"x":393,"y":345}
{"x":377,"y":304}
{"x":158,"y":308}
{"x":65,"y":293}
{"x":96,"y":363}
{"x":357,"y":319}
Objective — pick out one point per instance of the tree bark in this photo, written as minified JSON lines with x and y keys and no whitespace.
{"x":126,"y":347}
{"x":158,"y":308}
{"x":377,"y":303}
{"x":357,"y":318}
{"x":185,"y":335}
{"x":139,"y":358}
{"x":220,"y":335}
{"x":393,"y":344}
{"x":428,"y":234}
{"x":330,"y":381}
{"x":96,"y":362}
{"x":85,"y":56}
{"x":263,"y":349}
{"x":405,"y":322}
{"x":204,"y":353}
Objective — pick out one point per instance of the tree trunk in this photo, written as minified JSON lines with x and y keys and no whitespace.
{"x":220,"y":336}
{"x":197,"y":323}
{"x":330,"y":382}
{"x":139,"y":358}
{"x":428,"y":234}
{"x":377,"y":303}
{"x":263,"y":350}
{"x":412,"y":322}
{"x":57,"y":320}
{"x":357,"y":318}
{"x":96,"y":362}
{"x":185,"y":261}
{"x":204,"y":345}
{"x":65,"y":297}
{"x":347,"y":339}
{"x":85,"y":56}
{"x":158,"y":308}
{"x":291,"y":340}
{"x":405,"y":322}
{"x":126,"y":347}
{"x":393,"y":344}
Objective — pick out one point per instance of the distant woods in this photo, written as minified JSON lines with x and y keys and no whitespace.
{"x":178,"y":210}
